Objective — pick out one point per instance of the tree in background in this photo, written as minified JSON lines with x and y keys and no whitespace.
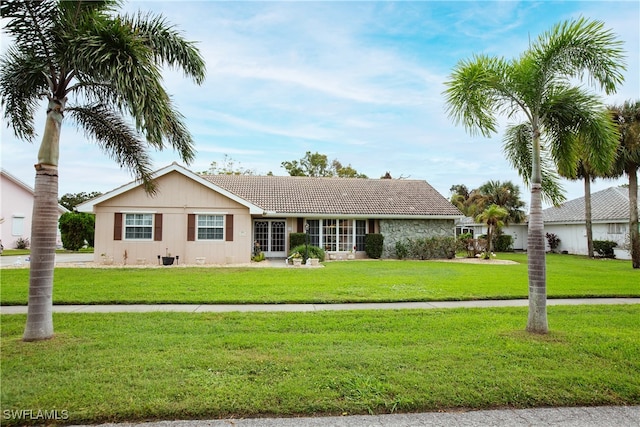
{"x":77,"y":229}
{"x":317,"y":165}
{"x":494,"y":217}
{"x":504,"y":194}
{"x":627,"y":117}
{"x":227,"y":166}
{"x":542,"y":85}
{"x":111,"y":65}
{"x":71,"y":200}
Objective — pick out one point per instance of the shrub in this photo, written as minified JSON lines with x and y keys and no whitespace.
{"x":373,"y":245}
{"x":297,"y":239}
{"x":503,"y":243}
{"x":76,"y":228}
{"x":22,"y":243}
{"x":314,"y":252}
{"x":604,"y":248}
{"x":402,"y":250}
{"x":428,"y":248}
{"x":553,"y":240}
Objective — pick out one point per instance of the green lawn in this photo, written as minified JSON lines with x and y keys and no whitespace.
{"x":352,"y":281}
{"x":133,"y":366}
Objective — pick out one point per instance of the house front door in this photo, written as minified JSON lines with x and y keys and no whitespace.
{"x":271,"y":234}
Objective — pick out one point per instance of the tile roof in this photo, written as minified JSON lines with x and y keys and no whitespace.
{"x":337,"y":196}
{"x":611,"y":204}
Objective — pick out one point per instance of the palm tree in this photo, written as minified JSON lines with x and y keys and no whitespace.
{"x":494,"y":217}
{"x":539,"y":87}
{"x":627,"y":116}
{"x":506,"y":195}
{"x":111,"y":67}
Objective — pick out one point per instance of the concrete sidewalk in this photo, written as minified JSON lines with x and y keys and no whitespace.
{"x":602,"y":416}
{"x":223,"y":308}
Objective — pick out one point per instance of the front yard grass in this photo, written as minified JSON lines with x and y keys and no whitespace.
{"x":337,"y":282}
{"x":134,"y":366}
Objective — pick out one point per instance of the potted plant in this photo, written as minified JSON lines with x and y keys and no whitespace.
{"x":352,"y":253}
{"x":297,"y":259}
{"x":167,"y":259}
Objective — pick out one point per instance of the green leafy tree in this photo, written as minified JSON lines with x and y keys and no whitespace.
{"x":71,"y":200}
{"x":627,"y":117}
{"x":102,"y":71}
{"x":542,"y":87}
{"x":494,"y":217}
{"x":317,"y":165}
{"x":228,"y":166}
{"x":76,"y":228}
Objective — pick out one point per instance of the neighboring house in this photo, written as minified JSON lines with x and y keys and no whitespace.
{"x":518,"y":232}
{"x":609,"y":216}
{"x":216,"y":219}
{"x":17,"y":207}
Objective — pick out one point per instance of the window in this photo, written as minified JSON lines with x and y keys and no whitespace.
{"x":210,"y":227}
{"x":138,"y":226}
{"x":615,"y":228}
{"x":337,"y":234}
{"x":17,"y":225}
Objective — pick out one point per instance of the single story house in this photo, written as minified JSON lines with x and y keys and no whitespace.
{"x":217,"y":219}
{"x":609,"y":217}
{"x":17,"y":210}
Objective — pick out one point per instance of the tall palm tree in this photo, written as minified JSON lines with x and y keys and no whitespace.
{"x":110,"y":66}
{"x":507,"y":195}
{"x":627,"y":116}
{"x":494,"y":217}
{"x":539,"y":87}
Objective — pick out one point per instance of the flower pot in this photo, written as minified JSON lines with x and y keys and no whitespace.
{"x":314,"y":261}
{"x":167,"y":260}
{"x":297,"y":262}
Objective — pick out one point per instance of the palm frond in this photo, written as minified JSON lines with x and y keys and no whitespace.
{"x":517,"y":145}
{"x":572,"y":48}
{"x":167,"y":44}
{"x":117,"y":139}
{"x":22,"y":86}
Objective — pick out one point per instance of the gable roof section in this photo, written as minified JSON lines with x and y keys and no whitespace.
{"x":310,"y":196}
{"x":27,"y":188}
{"x":609,"y":205}
{"x":174,"y":167}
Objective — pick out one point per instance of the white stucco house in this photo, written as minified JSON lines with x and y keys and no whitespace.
{"x":17,"y":206}
{"x":609,"y":216}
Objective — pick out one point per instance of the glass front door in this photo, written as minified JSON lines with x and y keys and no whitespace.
{"x":271,"y":235}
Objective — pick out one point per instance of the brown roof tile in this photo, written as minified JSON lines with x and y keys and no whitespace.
{"x":344,"y":196}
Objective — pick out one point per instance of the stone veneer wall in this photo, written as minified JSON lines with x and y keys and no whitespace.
{"x":395,"y":230}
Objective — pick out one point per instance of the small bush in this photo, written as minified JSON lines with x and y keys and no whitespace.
{"x":503,"y":243}
{"x":428,"y":248}
{"x":553,"y":240}
{"x":297,"y":239}
{"x":373,"y":245}
{"x":22,"y":243}
{"x":402,"y":250}
{"x":604,"y":248}
{"x":314,"y":252}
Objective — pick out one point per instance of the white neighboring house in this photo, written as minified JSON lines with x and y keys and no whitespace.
{"x":16,"y":210}
{"x":609,"y":216}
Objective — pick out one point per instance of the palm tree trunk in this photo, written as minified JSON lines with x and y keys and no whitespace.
{"x":537,"y":321}
{"x":44,"y":229}
{"x":43,"y":244}
{"x":634,"y":233}
{"x":587,"y":214}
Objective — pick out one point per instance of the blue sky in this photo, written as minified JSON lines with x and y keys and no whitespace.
{"x":358,"y":81}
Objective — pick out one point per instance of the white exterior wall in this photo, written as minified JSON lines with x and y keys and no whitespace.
{"x":178,"y":196}
{"x":573,"y":237}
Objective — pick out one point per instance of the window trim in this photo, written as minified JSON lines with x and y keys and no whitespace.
{"x":152,"y":227}
{"x":222,"y":227}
